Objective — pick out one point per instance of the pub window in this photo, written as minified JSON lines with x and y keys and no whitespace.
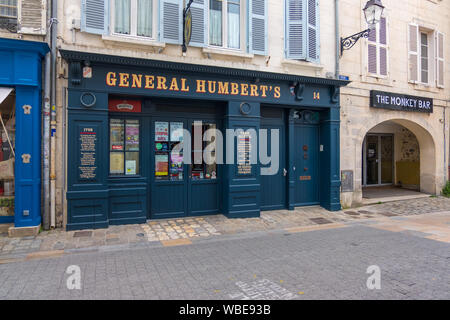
{"x":169,"y":161}
{"x":124,"y":147}
{"x":133,"y":17}
{"x":204,"y":164}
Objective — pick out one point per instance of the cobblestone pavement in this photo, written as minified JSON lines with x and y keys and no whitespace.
{"x":321,"y":264}
{"x":187,"y":229}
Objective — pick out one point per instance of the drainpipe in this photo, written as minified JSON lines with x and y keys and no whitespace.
{"x":54,"y":31}
{"x":338,"y":37}
{"x":46,"y":133}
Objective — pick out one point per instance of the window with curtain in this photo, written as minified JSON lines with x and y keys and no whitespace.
{"x":225,"y":23}
{"x":133,"y":17}
{"x":8,"y":9}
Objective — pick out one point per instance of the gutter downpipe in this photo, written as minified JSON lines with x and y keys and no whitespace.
{"x":338,"y":38}
{"x":54,"y":31}
{"x":46,"y":132}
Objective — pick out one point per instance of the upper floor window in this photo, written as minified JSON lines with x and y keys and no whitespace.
{"x":225,"y":23}
{"x":132,"y":17}
{"x":425,"y":56}
{"x":233,"y":24}
{"x":302,"y":30}
{"x":8,"y":9}
{"x":377,"y":49}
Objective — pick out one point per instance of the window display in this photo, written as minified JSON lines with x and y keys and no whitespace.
{"x":124,"y":147}
{"x":204,"y":163}
{"x":168,"y":167}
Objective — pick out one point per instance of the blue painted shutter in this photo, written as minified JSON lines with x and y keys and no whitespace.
{"x":199,"y":20}
{"x":257,"y":26}
{"x":171,"y":20}
{"x":295,"y":29}
{"x":95,"y":16}
{"x":313,"y":50}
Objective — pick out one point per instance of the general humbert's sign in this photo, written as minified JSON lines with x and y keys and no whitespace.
{"x":400,"y":102}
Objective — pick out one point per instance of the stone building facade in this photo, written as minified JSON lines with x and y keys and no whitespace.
{"x":407,"y":54}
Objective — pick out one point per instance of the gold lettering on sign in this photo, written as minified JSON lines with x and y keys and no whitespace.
{"x":316,"y":95}
{"x":149,"y":82}
{"x":111,"y":79}
{"x":136,"y":80}
{"x":184,"y":88}
{"x":223,"y":88}
{"x":201,"y":86}
{"x":174,"y":85}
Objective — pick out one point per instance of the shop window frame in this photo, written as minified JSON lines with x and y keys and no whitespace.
{"x":124,"y":117}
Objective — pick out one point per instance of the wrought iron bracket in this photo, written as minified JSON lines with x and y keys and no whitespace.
{"x":349,"y":42}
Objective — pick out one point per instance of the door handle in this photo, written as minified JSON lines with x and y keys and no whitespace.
{"x":284,"y":172}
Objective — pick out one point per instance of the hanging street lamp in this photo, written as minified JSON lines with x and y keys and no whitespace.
{"x":372,"y":12}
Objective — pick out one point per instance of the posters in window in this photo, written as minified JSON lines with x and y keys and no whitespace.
{"x":161,"y":165}
{"x":176,"y":131}
{"x":130,"y":167}
{"x":161,"y":131}
{"x":116,"y":162}
{"x":132,"y":140}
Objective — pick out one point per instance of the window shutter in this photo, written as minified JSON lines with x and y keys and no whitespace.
{"x":257,"y":26}
{"x":32,"y":16}
{"x":295,"y":29}
{"x":95,"y":16}
{"x":313,"y":31}
{"x":199,"y":20}
{"x":382,"y":48}
{"x":413,"y":52}
{"x":440,"y":59}
{"x":372,"y":65}
{"x":171,"y":20}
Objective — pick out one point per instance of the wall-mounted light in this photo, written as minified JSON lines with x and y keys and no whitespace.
{"x":372,"y":12}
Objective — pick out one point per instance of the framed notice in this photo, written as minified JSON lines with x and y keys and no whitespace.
{"x":116,"y":161}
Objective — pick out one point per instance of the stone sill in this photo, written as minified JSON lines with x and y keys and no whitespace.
{"x":133,"y":41}
{"x":227,"y":52}
{"x":425,"y":87}
{"x":304,"y":64}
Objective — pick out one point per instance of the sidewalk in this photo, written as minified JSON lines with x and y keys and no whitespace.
{"x":184,"y":230}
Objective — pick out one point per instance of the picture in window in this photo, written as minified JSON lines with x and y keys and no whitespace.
{"x":124,"y":147}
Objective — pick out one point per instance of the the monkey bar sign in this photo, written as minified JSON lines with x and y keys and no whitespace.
{"x":400,"y":102}
{"x":184,"y":85}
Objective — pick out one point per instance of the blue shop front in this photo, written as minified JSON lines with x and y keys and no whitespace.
{"x":20,"y":127}
{"x":127,"y":118}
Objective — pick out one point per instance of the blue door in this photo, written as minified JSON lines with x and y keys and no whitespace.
{"x":183,"y":183}
{"x":306,"y":143}
{"x":273,"y":187}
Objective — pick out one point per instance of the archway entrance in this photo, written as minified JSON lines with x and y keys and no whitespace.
{"x":392,"y":161}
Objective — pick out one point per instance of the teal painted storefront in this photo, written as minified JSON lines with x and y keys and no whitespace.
{"x":304,"y":110}
{"x":21,"y":70}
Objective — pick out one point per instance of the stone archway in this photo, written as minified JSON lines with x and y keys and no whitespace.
{"x":427,"y":151}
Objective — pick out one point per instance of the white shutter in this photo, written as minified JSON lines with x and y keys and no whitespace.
{"x":313,"y":31}
{"x":440,"y":59}
{"x":32,"y":16}
{"x":171,"y":21}
{"x":295,"y":29}
{"x":199,"y":23}
{"x":95,"y":16}
{"x":413,"y":52}
{"x":257,"y":26}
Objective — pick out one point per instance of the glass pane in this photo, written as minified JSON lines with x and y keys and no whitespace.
{"x":197,"y":166}
{"x":116,"y":134}
{"x":234,"y":24}
{"x":215,"y":22}
{"x":176,"y":131}
{"x":161,"y":131}
{"x":176,"y":166}
{"x":116,"y":163}
{"x":122,"y":16}
{"x":8,"y":8}
{"x":162,"y":165}
{"x":210,"y":152}
{"x":387,"y":170}
{"x":145,"y":14}
{"x":372,"y":159}
{"x":132,"y":135}
{"x":132,"y":163}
